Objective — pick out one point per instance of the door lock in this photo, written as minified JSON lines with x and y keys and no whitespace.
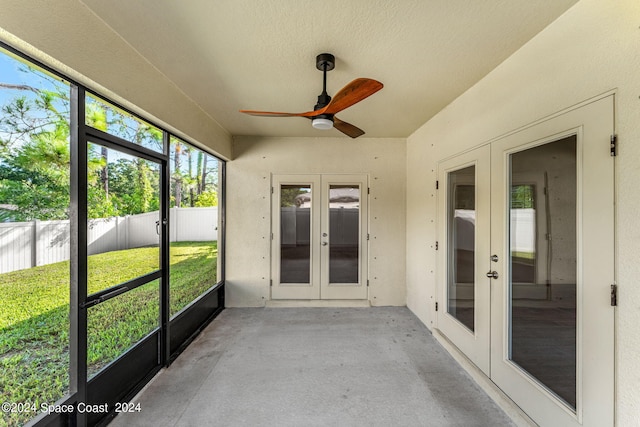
{"x":492,"y":275}
{"x":494,"y":258}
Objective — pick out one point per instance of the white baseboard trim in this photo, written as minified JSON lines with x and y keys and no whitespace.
{"x":317,"y":303}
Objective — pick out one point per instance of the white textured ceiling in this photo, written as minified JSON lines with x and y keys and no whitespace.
{"x":260,"y":54}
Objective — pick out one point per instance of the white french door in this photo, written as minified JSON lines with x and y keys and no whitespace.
{"x":543,"y":264}
{"x":464,"y":220}
{"x":319,"y":237}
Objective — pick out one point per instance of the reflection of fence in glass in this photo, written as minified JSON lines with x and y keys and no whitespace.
{"x":29,"y":244}
{"x":522,"y":230}
{"x":295,"y":225}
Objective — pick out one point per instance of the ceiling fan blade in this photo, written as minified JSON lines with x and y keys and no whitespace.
{"x":275,"y":113}
{"x":347,"y":128}
{"x":352,"y":93}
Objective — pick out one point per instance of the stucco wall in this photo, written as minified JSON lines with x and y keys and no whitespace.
{"x":591,"y":49}
{"x":84,"y":48}
{"x":249,"y":208}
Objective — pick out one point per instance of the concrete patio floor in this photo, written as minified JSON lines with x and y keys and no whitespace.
{"x":315,"y":367}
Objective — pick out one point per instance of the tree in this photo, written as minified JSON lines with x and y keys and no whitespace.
{"x":206,"y":199}
{"x":288,"y":195}
{"x":35,"y":179}
{"x":96,"y":116}
{"x":34,"y":151}
{"x":141,"y":197}
{"x":35,"y":157}
{"x":189,"y":183}
{"x":176,"y":174}
{"x":35,"y":154}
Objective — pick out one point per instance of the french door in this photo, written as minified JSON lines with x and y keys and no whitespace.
{"x":319,"y":239}
{"x":527,"y":262}
{"x":464,"y":223}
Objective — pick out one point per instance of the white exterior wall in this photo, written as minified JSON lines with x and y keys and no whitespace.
{"x":592,"y":49}
{"x":249,"y":208}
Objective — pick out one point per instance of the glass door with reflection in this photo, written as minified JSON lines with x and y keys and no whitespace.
{"x":461,"y":220}
{"x":343,"y":238}
{"x":463,"y":250}
{"x":543,"y":309}
{"x":552,"y":222}
{"x":296,"y":237}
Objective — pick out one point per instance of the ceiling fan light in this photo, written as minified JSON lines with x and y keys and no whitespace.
{"x":323,"y":124}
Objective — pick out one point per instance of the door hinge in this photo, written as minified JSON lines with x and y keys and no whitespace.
{"x":272,"y":190}
{"x":437,"y":185}
{"x":271,"y":282}
{"x":368,"y":190}
{"x":436,"y":246}
{"x":367,"y":282}
{"x":367,"y":236}
{"x":613,"y":148}
{"x":436,"y":306}
{"x":271,"y":236}
{"x":614,"y":295}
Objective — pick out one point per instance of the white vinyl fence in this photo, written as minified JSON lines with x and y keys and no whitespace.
{"x":522,"y":230}
{"x":29,"y":244}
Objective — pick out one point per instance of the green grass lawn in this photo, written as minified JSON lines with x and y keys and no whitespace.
{"x":34,"y":316}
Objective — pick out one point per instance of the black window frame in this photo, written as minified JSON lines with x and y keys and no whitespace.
{"x":203,"y":310}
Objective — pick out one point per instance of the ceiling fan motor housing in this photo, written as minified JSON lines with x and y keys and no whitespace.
{"x":325,"y":59}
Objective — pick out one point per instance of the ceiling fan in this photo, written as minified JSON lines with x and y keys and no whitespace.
{"x":323,"y":114}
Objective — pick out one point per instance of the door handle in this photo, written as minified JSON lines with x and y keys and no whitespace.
{"x":324,"y":243}
{"x":492,"y":275}
{"x":164,"y":222}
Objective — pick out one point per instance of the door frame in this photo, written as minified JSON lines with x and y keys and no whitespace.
{"x":319,"y":287}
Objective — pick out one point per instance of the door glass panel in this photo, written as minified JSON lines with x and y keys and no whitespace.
{"x":120,"y":322}
{"x":543,"y":259}
{"x":344,"y":233}
{"x":461,"y":220}
{"x":123,"y":199}
{"x":295,"y":233}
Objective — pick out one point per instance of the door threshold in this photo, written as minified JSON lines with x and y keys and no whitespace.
{"x":283,"y":303}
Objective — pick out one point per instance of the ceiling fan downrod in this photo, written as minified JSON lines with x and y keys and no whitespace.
{"x":324,"y":62}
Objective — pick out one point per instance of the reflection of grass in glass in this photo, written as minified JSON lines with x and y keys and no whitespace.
{"x":34,"y":324}
{"x":523,"y":257}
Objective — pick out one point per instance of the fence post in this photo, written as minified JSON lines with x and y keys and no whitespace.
{"x":127,"y":223}
{"x":117,"y":218}
{"x":34,"y":242}
{"x":175,"y":226}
